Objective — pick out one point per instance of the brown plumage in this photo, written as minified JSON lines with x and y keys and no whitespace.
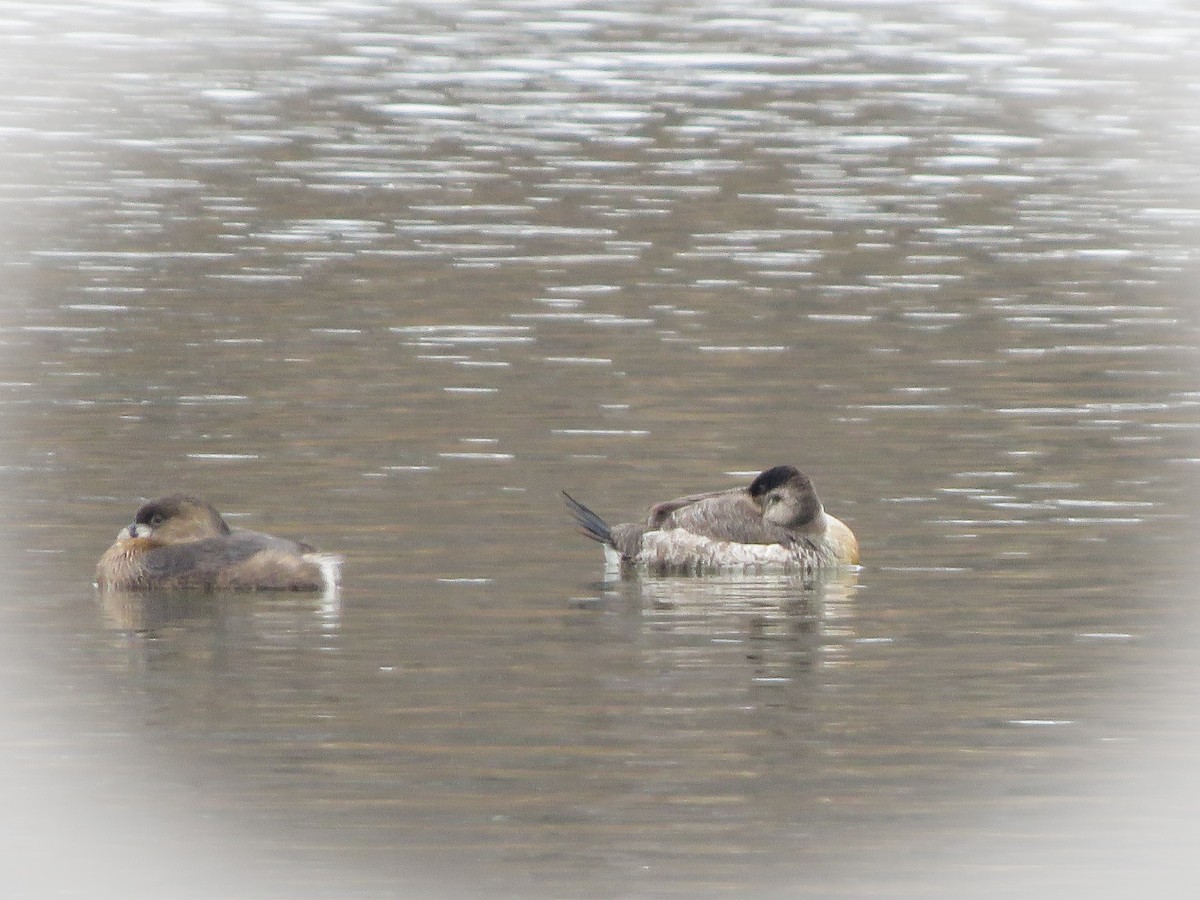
{"x":180,"y":542}
{"x":776,"y":521}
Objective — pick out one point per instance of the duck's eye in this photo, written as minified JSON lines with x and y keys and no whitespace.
{"x":156,"y":520}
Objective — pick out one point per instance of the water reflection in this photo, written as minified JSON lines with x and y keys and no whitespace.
{"x":151,"y":613}
{"x":784,"y":625}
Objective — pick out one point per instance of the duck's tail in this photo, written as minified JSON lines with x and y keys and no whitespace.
{"x":590,"y":524}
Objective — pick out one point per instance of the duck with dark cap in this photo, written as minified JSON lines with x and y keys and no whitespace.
{"x":776,"y":522}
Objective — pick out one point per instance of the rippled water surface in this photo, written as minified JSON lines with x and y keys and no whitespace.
{"x":387,"y":277}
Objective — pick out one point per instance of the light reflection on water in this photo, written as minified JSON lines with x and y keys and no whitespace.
{"x":386,"y":278}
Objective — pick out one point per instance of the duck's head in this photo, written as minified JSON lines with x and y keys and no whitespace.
{"x":786,"y":497}
{"x":176,"y":519}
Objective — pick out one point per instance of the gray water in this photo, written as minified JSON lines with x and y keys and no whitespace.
{"x":387,"y":277}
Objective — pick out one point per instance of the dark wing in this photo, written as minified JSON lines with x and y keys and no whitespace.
{"x":723,"y":516}
{"x":198,"y":563}
{"x":244,"y":560}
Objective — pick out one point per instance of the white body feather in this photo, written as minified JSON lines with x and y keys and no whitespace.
{"x":677,"y":551}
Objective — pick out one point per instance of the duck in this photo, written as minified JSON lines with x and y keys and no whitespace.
{"x":777,"y":522}
{"x":181,"y":542}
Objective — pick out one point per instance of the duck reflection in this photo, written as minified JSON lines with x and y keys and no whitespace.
{"x":149,"y":612}
{"x":772,"y":626}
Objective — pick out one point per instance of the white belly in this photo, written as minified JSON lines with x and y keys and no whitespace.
{"x":681,"y":552}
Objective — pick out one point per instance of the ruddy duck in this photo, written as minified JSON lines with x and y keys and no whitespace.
{"x":182,"y":543}
{"x":777,"y":522}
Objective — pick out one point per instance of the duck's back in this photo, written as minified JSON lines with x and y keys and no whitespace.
{"x":242,"y":560}
{"x":725,"y":516}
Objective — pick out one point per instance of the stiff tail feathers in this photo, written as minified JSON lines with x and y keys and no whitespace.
{"x":590,"y":524}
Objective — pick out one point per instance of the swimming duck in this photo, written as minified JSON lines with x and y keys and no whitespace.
{"x":776,"y":522}
{"x":180,"y":542}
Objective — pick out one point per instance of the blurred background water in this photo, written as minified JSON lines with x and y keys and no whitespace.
{"x":388,"y":276}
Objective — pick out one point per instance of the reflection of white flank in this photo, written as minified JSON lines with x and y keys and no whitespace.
{"x":330,"y":565}
{"x":829,"y":593}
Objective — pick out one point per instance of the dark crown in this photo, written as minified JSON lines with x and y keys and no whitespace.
{"x":773,"y":478}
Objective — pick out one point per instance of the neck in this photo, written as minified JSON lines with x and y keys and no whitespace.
{"x":817,"y":525}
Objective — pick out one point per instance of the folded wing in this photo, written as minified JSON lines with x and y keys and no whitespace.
{"x":720,"y":516}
